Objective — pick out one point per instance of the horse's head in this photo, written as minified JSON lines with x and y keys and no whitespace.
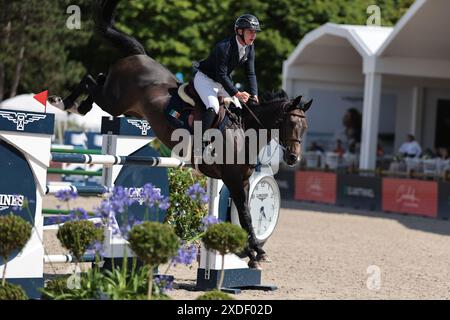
{"x":292,"y":126}
{"x":277,"y":111}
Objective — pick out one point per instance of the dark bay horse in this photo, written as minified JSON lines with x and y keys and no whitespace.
{"x":136,"y":85}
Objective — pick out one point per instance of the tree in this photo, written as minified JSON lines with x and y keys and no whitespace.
{"x":35,"y":44}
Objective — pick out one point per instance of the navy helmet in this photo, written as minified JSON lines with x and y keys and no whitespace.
{"x":247,"y":21}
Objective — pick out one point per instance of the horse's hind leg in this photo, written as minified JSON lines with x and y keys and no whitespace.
{"x":69,"y":103}
{"x":93,"y":90}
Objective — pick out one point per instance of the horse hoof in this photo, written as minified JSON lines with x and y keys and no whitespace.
{"x":56,"y":102}
{"x":263,"y":258}
{"x":252,"y":264}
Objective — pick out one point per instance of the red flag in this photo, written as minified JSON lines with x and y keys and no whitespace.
{"x":42,"y":97}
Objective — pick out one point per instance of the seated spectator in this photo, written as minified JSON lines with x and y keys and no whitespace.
{"x":339,"y":148}
{"x":315,"y":147}
{"x":410,"y":148}
{"x":443,"y":154}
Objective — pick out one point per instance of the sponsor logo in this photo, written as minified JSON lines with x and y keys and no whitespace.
{"x":140,"y":124}
{"x":262,"y":196}
{"x":21,"y":119}
{"x":359,"y":192}
{"x":136,"y":194}
{"x":11,"y":200}
{"x":314,"y":186}
{"x":406,"y":196}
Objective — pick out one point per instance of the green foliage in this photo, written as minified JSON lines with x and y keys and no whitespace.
{"x":153,"y":242}
{"x":215,"y":295}
{"x":118,"y":284}
{"x":38,"y":29}
{"x":12,"y":292}
{"x":174,"y":33}
{"x":77,"y":236}
{"x":56,"y":287}
{"x":185,"y":214}
{"x":14,"y":234}
{"x":225,"y":237}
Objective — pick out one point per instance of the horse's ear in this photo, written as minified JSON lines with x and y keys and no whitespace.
{"x":307,"y":105}
{"x":296,"y":101}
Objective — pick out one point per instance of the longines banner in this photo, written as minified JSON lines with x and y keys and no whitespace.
{"x":444,"y":200}
{"x":359,"y":192}
{"x":315,"y":186}
{"x":286,"y":182}
{"x":410,"y":196}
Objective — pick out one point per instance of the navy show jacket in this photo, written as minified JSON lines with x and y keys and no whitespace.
{"x":224,"y":59}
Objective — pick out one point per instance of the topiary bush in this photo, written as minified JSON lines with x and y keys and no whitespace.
{"x":14,"y":235}
{"x":10,"y":291}
{"x":77,"y":236}
{"x":154,"y":243}
{"x":226,"y":238}
{"x":215,"y":295}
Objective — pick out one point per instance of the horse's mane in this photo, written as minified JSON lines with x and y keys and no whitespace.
{"x":274,"y":96}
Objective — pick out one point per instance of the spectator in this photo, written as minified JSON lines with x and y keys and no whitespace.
{"x":352,"y":122}
{"x":443,"y":153}
{"x":339,"y":149}
{"x":315,"y":147}
{"x":410,"y":148}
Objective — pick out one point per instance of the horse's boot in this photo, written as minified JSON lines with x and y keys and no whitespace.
{"x":253,"y":264}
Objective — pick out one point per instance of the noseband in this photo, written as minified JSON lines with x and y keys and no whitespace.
{"x":281,"y":120}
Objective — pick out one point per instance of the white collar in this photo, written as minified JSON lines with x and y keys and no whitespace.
{"x":240,"y":46}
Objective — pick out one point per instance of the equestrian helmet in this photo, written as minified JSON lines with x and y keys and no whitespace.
{"x":247,"y":21}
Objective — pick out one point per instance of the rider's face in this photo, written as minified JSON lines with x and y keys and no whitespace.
{"x":249,"y":36}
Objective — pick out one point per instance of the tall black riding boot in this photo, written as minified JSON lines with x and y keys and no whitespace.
{"x":207,"y":120}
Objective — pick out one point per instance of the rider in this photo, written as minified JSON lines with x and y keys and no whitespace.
{"x":213,"y":76}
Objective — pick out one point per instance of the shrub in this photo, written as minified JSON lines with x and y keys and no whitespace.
{"x":215,"y":295}
{"x":184,"y":213}
{"x":154,"y":243}
{"x":77,"y":236}
{"x":14,"y":235}
{"x":10,"y":291}
{"x":226,"y":238}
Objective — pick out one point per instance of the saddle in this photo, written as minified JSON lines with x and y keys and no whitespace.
{"x":189,"y":95}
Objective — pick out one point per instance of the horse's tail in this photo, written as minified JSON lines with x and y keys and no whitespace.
{"x":104,"y":23}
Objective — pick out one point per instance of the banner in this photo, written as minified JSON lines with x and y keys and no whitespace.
{"x":286,"y":182}
{"x":359,"y":192}
{"x":315,"y":186}
{"x":444,"y":200}
{"x":410,"y":196}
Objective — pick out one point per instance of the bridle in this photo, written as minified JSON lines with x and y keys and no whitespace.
{"x":279,"y":124}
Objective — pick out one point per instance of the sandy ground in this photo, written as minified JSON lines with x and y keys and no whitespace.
{"x":323,"y":252}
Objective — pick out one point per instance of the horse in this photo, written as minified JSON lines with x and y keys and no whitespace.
{"x":137,"y":85}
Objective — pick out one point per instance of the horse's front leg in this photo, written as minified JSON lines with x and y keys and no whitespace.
{"x":239,"y":193}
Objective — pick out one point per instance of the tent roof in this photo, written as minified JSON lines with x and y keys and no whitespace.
{"x":366,"y":40}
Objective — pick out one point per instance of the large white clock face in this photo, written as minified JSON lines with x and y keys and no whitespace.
{"x":264,"y":205}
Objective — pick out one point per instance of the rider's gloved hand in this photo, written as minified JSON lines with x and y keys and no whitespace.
{"x":243,"y":96}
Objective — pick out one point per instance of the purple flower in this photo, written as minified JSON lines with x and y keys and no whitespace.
{"x":164,"y":282}
{"x":153,"y":198}
{"x":210,"y":220}
{"x":186,"y":255}
{"x":98,"y":248}
{"x":197,"y":193}
{"x":66,"y":195}
{"x":79,"y":214}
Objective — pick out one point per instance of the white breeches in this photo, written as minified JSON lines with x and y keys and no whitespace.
{"x":209,"y":90}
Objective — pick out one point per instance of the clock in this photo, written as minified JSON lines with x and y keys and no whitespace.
{"x":264,"y":205}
